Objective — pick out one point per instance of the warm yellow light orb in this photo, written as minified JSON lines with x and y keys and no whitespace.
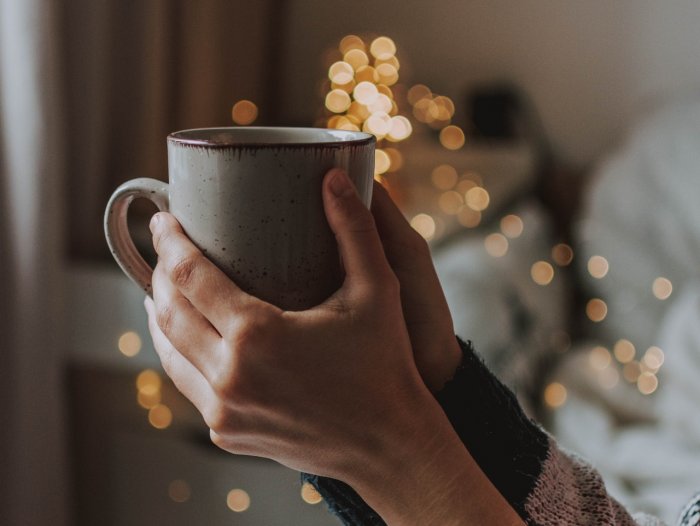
{"x":356,"y":58}
{"x":647,"y":383}
{"x":468,"y":217}
{"x":562,"y":254}
{"x":496,"y":245}
{"x":350,"y":42}
{"x":599,"y":358}
{"x":444,"y":177}
{"x":310,"y":495}
{"x":598,"y":267}
{"x":450,"y":202}
{"x":624,"y":351}
{"x":477,"y":198}
{"x":418,"y":92}
{"x":662,"y":288}
{"x":452,"y":137}
{"x":400,"y":128}
{"x":148,"y":381}
{"x":382,"y":162}
{"x":365,"y":93}
{"x":596,"y":310}
{"x":238,"y":500}
{"x":382,"y":48}
{"x":512,"y":226}
{"x":341,"y":72}
{"x":542,"y":273}
{"x":388,"y":75}
{"x":555,"y":395}
{"x":244,"y":112}
{"x":424,"y":225}
{"x":338,"y":101}
{"x":160,"y":416}
{"x":129,"y":344}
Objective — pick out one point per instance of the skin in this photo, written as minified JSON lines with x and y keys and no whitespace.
{"x":341,"y":390}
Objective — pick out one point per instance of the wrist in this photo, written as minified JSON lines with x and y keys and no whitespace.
{"x":421,"y":473}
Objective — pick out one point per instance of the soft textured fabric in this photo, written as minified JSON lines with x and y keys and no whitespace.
{"x":544,"y":484}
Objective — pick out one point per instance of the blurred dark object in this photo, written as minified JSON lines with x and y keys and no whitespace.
{"x":495,"y":112}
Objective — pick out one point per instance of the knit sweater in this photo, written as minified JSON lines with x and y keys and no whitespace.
{"x":544,"y":485}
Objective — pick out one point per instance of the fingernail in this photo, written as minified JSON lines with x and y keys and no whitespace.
{"x":339,"y":183}
{"x":154,"y":222}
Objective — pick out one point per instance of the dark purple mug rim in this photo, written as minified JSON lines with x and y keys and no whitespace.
{"x":178,"y":138}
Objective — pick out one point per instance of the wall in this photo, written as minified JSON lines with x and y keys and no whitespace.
{"x":589,"y":66}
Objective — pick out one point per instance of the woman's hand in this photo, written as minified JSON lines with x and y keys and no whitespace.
{"x":333,"y":390}
{"x":294,"y":386}
{"x":425,"y":309}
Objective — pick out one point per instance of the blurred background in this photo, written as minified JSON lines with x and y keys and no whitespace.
{"x":548,"y":151}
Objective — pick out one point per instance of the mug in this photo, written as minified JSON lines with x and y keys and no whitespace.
{"x":250,"y":199}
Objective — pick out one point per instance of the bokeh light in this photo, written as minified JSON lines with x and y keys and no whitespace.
{"x":555,"y":395}
{"x":238,"y":500}
{"x":647,"y":383}
{"x":562,"y":254}
{"x":542,"y":273}
{"x":424,"y":225}
{"x":244,"y":112}
{"x":599,"y":358}
{"x":624,"y":351}
{"x":477,"y":198}
{"x":598,"y":267}
{"x":512,"y":226}
{"x":496,"y":245}
{"x":338,"y":101}
{"x":129,"y":344}
{"x":179,"y":491}
{"x":309,"y":494}
{"x":662,"y":288}
{"x":382,"y":48}
{"x":452,"y":137}
{"x":160,"y":416}
{"x":596,"y":310}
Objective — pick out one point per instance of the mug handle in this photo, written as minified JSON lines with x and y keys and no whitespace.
{"x":117,"y":231}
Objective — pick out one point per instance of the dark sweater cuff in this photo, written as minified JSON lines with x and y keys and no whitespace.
{"x":508,"y":446}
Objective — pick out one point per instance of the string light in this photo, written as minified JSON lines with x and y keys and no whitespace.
{"x":477,"y":198}
{"x":309,"y":494}
{"x":512,"y":226}
{"x":244,"y":112}
{"x":662,"y":288}
{"x":599,"y":358}
{"x":238,"y":500}
{"x":129,"y":344}
{"x":179,"y":491}
{"x":624,"y":351}
{"x":160,"y":416}
{"x":444,"y":177}
{"x":562,"y":254}
{"x":452,"y":137}
{"x":596,"y":310}
{"x":496,"y":245}
{"x":424,"y":225}
{"x":598,"y":267}
{"x":542,"y":273}
{"x":647,"y":383}
{"x":555,"y":395}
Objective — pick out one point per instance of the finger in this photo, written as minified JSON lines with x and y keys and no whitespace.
{"x":184,"y":326}
{"x":403,"y":246}
{"x":354,"y":229}
{"x":409,"y":257}
{"x":209,"y":290}
{"x":186,"y":377}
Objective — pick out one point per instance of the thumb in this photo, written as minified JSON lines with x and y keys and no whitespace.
{"x":354,"y":228}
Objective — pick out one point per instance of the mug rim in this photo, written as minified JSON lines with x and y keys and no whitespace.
{"x":183,"y":137}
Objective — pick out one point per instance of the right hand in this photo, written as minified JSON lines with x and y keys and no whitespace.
{"x":425,"y":308}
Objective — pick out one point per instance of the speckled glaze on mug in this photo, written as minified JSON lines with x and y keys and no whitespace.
{"x":250,"y":199}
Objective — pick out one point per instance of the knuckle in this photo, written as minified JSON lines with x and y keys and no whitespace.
{"x":182,"y":271}
{"x":164,"y":317}
{"x":216,"y":418}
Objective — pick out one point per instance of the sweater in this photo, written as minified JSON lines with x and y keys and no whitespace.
{"x":543,"y":483}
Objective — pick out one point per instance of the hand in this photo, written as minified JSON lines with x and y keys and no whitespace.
{"x":309,"y":388}
{"x":425,"y":309}
{"x":333,"y":390}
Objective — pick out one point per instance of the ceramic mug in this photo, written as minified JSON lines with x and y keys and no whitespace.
{"x":250,"y":199}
